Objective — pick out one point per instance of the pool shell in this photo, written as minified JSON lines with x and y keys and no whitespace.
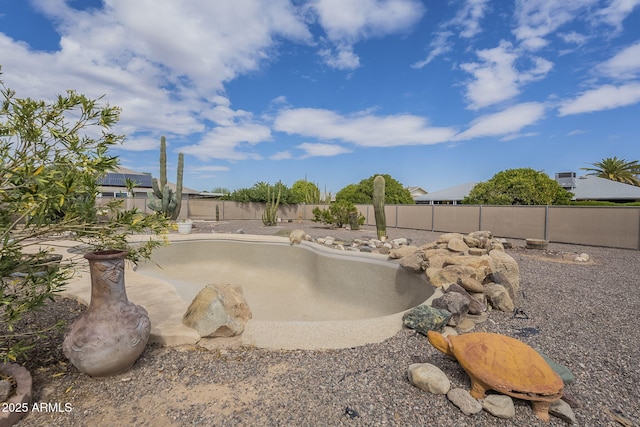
{"x":281,"y":282}
{"x":303,"y":296}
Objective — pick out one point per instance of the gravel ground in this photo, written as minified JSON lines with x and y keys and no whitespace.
{"x":585,"y":316}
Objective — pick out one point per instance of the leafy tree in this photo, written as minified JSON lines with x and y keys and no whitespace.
{"x":616,"y":169}
{"x":303,"y":191}
{"x":362,"y":193}
{"x":51,"y":156}
{"x":523,"y":186}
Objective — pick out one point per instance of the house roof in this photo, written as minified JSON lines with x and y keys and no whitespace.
{"x":115,"y":180}
{"x":458,"y":192}
{"x":590,"y":187}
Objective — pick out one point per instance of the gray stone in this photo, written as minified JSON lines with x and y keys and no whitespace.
{"x":424,"y":318}
{"x":562,"y":410}
{"x":499,"y":298}
{"x":466,"y":325}
{"x":218,"y":311}
{"x":475,"y":307}
{"x":464,"y":401}
{"x":429,"y":378}
{"x":455,"y":303}
{"x":415,"y":262}
{"x":562,"y":371}
{"x":400,"y":241}
{"x":499,"y":405}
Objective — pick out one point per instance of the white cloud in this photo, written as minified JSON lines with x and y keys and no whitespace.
{"x":440,"y":45}
{"x":573,"y":37}
{"x":227,"y":142}
{"x":507,"y":122}
{"x":281,"y":155}
{"x":342,"y":58}
{"x":575,"y":132}
{"x":209,"y":168}
{"x":536,"y":19}
{"x":624,"y":65}
{"x":469,"y":17}
{"x":496,"y":78}
{"x":617,"y":11}
{"x":324,"y":150}
{"x":466,"y":24}
{"x":605,"y":97}
{"x":347,"y":22}
{"x":364,"y":129}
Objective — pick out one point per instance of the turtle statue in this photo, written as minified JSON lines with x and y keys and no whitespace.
{"x":504,"y":364}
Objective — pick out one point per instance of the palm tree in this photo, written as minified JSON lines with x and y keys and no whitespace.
{"x":616,"y":170}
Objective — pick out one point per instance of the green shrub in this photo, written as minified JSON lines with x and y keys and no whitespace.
{"x":338,"y":214}
{"x":52,"y":154}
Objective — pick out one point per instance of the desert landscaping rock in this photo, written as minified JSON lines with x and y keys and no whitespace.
{"x":499,"y":405}
{"x":425,"y":318}
{"x":429,"y":378}
{"x":218,"y":311}
{"x":471,"y":285}
{"x":455,"y":303}
{"x":562,"y":410}
{"x":499,"y":298}
{"x":464,"y":401}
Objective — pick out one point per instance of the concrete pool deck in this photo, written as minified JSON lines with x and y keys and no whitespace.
{"x":166,"y":308}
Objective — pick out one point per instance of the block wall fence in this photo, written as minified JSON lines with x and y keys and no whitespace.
{"x":608,"y":226}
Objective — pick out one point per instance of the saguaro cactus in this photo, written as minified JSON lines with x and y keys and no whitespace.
{"x":163,"y":199}
{"x":378,"y":207}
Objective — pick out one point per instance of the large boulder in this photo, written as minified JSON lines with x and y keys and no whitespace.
{"x":218,"y":311}
{"x":440,"y":277}
{"x":504,"y":263}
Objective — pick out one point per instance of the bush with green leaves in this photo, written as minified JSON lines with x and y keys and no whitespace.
{"x":52,"y":154}
{"x":362,"y":193}
{"x":338,"y":214}
{"x":306,"y":192}
{"x":261,"y":193}
{"x":523,"y":186}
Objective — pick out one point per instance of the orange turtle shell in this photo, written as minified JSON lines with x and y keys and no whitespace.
{"x":504,"y":364}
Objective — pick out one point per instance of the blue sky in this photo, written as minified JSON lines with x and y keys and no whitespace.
{"x":435,"y":93}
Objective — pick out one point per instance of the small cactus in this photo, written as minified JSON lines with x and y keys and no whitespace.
{"x":378,"y":207}
{"x":270,"y":215}
{"x":163,"y":199}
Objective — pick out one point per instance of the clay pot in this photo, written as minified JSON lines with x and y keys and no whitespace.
{"x":111,"y":334}
{"x":19,"y":404}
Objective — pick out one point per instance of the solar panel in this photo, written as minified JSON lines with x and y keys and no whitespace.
{"x":113,"y":179}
